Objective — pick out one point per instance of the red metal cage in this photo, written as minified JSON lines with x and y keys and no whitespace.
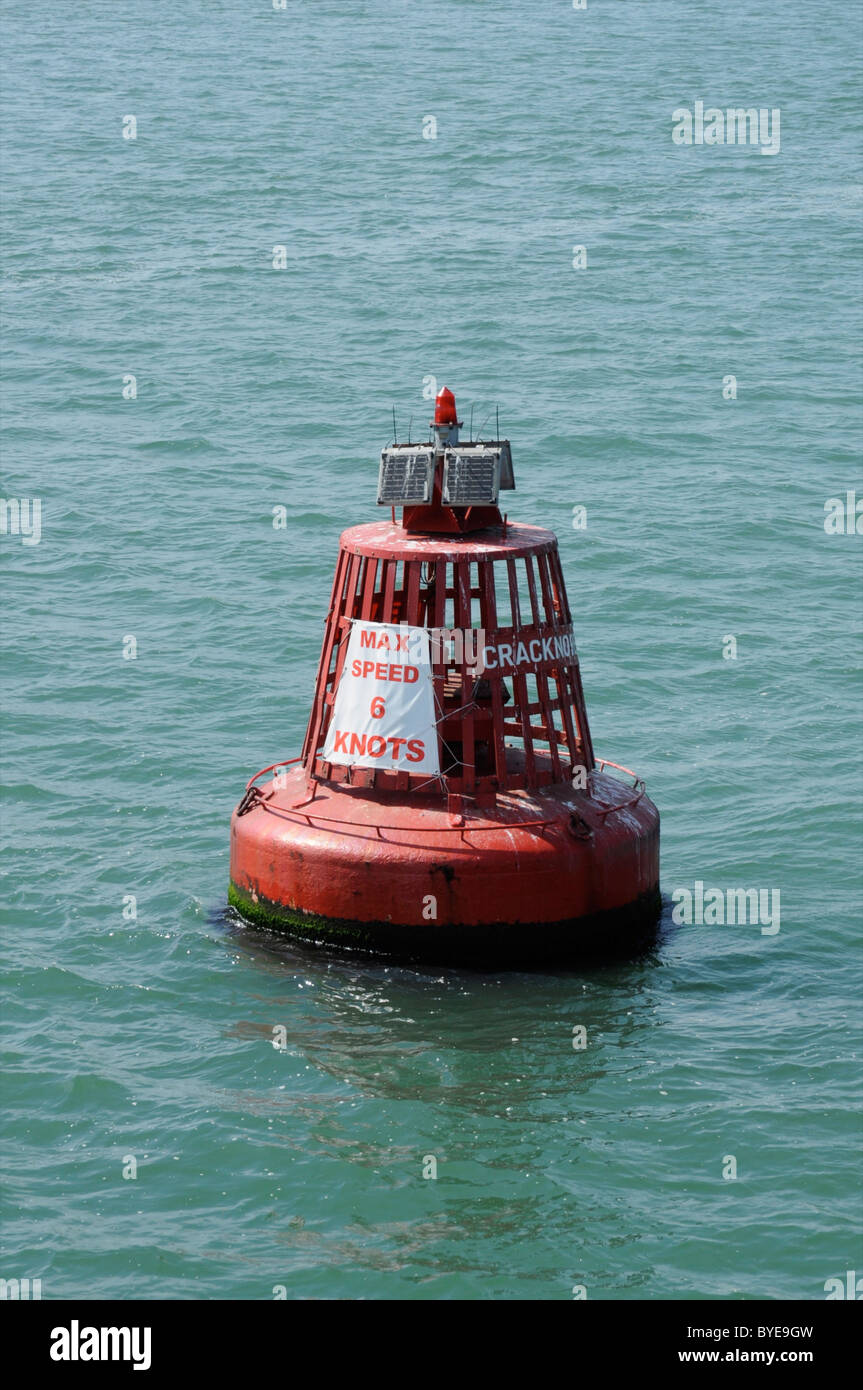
{"x":502,"y":728}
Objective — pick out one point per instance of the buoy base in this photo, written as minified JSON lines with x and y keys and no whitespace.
{"x":547,"y":875}
{"x":615,"y":933}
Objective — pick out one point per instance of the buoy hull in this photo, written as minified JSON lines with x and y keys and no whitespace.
{"x":548,"y":875}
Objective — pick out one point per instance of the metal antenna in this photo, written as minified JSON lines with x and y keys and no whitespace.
{"x":497,"y":421}
{"x":395,"y":440}
{"x":410,"y":422}
{"x":471,"y":421}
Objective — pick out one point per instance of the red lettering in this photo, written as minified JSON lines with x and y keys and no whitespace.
{"x":376,"y":752}
{"x":395,"y":744}
{"x":367,"y":639}
{"x":340,"y":743}
{"x":383,"y":672}
{"x":416,"y":748}
{"x":358,"y":744}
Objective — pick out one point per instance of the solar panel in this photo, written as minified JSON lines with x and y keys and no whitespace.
{"x":405,"y":476}
{"x":471,"y":476}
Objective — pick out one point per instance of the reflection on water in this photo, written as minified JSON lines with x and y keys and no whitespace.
{"x":482,"y":1043}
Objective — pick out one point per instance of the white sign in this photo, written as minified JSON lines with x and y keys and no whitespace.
{"x":383,"y":715}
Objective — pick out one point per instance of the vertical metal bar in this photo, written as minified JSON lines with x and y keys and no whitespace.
{"x":337,"y":675}
{"x":369,"y":581}
{"x":547,"y":594}
{"x":354,"y":586}
{"x":390,"y":567}
{"x":313,"y":727}
{"x":519,"y":683}
{"x":369,"y":578}
{"x":559,"y":587}
{"x":581,"y":716}
{"x":514,"y":600}
{"x":463,"y":621}
{"x":352,"y":590}
{"x":536,"y":620}
{"x":355,"y":580}
{"x":531,"y":588}
{"x":573,"y":672}
{"x":565,"y":697}
{"x":409,"y":613}
{"x":562,"y":675}
{"x":439,"y":668}
{"x":542,"y":677}
{"x":488,"y":621}
{"x":412,"y":585}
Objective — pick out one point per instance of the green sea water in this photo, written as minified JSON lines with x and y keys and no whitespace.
{"x":718,"y":624}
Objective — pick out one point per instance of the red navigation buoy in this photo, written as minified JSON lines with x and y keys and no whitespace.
{"x":447,"y":804}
